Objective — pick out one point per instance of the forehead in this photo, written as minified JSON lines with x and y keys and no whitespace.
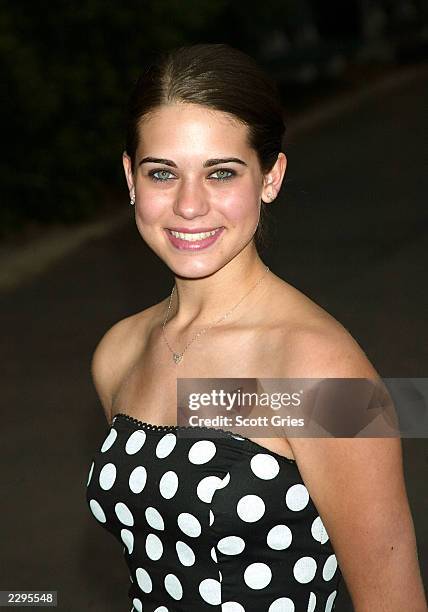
{"x":192,"y":128}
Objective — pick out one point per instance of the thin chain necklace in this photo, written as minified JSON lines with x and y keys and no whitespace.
{"x":177,"y":357}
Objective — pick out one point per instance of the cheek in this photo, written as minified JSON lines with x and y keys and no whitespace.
{"x":240,"y":205}
{"x":236,"y":205}
{"x":150,"y":209}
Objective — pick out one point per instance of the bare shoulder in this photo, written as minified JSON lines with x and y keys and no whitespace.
{"x":321,"y":345}
{"x":325,"y":348}
{"x":116,"y":352}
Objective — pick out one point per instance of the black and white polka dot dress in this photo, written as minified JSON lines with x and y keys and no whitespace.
{"x":210,"y":521}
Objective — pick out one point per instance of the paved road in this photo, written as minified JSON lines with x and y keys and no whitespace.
{"x":350,"y":231}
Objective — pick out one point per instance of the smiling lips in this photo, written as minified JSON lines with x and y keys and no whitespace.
{"x":193,"y":239}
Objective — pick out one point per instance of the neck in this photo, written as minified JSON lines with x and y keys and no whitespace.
{"x":201,"y":301}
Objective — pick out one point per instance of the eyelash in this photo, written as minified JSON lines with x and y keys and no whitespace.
{"x":152,"y":174}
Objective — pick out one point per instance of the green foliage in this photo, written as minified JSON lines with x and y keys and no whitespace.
{"x":67,"y":69}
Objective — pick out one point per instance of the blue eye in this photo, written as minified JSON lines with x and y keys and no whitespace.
{"x":165,"y":175}
{"x":163,"y":179}
{"x":231,"y":173}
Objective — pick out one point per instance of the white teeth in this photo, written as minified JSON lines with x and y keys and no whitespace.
{"x":193,"y":237}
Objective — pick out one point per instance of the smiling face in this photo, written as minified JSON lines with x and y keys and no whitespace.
{"x":195,"y":171}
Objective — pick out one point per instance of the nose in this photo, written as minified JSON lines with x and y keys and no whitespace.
{"x":191,"y":200}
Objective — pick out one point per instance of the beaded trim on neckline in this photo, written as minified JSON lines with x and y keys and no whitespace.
{"x":228,"y":434}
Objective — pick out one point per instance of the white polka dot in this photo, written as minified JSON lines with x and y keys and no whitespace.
{"x":312,"y":602}
{"x":173,"y":586}
{"x":137,"y":604}
{"x":264,"y":466}
{"x":257,"y":575}
{"x":124,"y":514}
{"x":189,"y":524}
{"x":185,"y":553}
{"x":283,"y":604}
{"x":220,"y":576}
{"x":144,"y":580}
{"x":154,"y":519}
{"x":168,"y":484}
{"x":128,"y":539}
{"x":90,"y":473}
{"x":202,"y":451}
{"x":213,"y":554}
{"x":137,"y":479}
{"x":210,"y":591}
{"x":279,"y":537}
{"x":250,"y":508}
{"x":297,"y":497}
{"x":135,"y":442}
{"x":225,"y":481}
{"x":207,"y":487}
{"x":107,"y":476}
{"x":304,"y":569}
{"x":211,"y":517}
{"x":109,"y":440}
{"x":231,"y":545}
{"x":97,"y":511}
{"x":232,"y":606}
{"x":329,"y":568}
{"x":161,"y":609}
{"x":318,"y":531}
{"x":154,"y":548}
{"x":330,"y":601}
{"x":165,"y":445}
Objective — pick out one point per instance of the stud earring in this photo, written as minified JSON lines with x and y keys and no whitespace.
{"x":132,"y":201}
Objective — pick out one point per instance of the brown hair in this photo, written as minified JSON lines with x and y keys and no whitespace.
{"x":219,"y":77}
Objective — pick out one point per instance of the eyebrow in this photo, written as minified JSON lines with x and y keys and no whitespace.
{"x":206,"y":164}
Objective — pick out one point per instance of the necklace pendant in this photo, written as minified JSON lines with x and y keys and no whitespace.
{"x":177,"y":358}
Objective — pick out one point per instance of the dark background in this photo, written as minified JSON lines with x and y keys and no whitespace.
{"x":67,"y":68}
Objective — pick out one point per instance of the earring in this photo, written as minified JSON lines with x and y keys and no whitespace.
{"x":132,"y":202}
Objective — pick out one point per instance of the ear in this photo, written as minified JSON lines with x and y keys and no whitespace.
{"x":272,"y":181}
{"x":127,"y":166}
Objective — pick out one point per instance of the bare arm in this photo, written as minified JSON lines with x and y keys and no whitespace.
{"x":358,"y":486}
{"x":111,"y":358}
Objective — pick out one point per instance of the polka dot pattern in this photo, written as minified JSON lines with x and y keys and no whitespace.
{"x":185,"y":553}
{"x":210,"y":522}
{"x":154,"y":547}
{"x":283,"y":604}
{"x":108,"y":442}
{"x":257,"y":575}
{"x":124,"y":514}
{"x":137,"y":479}
{"x":250,"y":508}
{"x":279,"y":537}
{"x":304,"y":569}
{"x":210,"y":591}
{"x":107,"y":476}
{"x":173,"y":586}
{"x":144,"y":580}
{"x":168,"y":484}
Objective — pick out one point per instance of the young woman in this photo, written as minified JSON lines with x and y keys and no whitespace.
{"x":233,"y":523}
